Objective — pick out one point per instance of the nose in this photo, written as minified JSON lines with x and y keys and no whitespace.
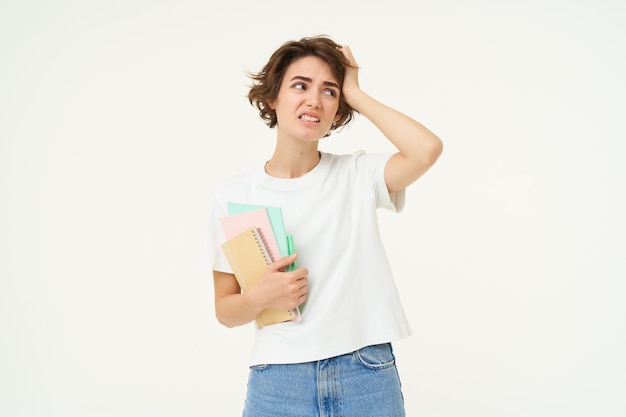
{"x":312,"y":100}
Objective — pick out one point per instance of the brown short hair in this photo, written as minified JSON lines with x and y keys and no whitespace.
{"x":266,"y":83}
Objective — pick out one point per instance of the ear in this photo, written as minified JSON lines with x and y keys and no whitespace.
{"x":271,"y":104}
{"x":337,"y":117}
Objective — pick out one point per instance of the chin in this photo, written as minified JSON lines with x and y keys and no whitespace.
{"x":310,"y":136}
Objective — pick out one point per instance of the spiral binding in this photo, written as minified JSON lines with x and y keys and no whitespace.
{"x":260,"y":239}
{"x":267,"y":254}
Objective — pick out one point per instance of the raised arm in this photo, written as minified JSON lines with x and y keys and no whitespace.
{"x":418,"y":147}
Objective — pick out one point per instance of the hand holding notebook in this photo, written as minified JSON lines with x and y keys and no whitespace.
{"x":249,"y":268}
{"x":248,"y":256}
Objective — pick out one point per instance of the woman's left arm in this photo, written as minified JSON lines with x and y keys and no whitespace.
{"x":418,"y":147}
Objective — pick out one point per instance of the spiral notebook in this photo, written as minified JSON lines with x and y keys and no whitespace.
{"x":248,"y":257}
{"x":236,"y":223}
{"x":275,"y":215}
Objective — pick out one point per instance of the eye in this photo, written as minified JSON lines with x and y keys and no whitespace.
{"x":330,"y":92}
{"x":299,"y":86}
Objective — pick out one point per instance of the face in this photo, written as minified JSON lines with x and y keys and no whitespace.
{"x":307,"y":100}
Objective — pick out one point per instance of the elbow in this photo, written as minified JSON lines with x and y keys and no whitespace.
{"x":226,"y":323}
{"x":223,"y":322}
{"x":434,"y":150}
{"x":428,"y":154}
{"x":224,"y":319}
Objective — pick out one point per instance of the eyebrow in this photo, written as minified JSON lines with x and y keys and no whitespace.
{"x":309,"y":80}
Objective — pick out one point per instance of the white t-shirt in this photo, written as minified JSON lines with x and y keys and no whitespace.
{"x":331,"y":213}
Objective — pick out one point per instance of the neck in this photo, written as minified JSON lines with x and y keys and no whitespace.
{"x":292,"y":163}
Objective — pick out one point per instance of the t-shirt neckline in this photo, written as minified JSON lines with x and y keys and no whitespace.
{"x":310,"y":177}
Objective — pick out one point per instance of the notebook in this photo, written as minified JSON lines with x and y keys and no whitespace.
{"x":284,"y":241}
{"x":276,"y":218}
{"x":236,"y":223}
{"x":248,"y":257}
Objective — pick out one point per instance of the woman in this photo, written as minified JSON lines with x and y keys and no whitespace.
{"x":337,"y":360}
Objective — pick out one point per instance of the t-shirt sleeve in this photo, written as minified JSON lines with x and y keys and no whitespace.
{"x":374,"y":164}
{"x":213,"y":257}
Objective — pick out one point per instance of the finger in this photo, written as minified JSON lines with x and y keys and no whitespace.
{"x":347,"y":52}
{"x":302,"y":299}
{"x":303,"y":284}
{"x":283,"y":262}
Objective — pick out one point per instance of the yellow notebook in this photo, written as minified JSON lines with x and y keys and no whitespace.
{"x":248,"y":257}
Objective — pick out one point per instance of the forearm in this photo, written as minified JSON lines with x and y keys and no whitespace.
{"x":232,"y":308}
{"x":275,"y":289}
{"x":236,"y":310}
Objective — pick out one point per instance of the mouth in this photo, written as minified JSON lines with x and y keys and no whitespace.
{"x":309,"y":118}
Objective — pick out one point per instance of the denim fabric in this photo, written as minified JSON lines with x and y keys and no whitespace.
{"x":364,"y":383}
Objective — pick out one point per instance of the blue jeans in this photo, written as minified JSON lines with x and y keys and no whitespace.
{"x":364,"y":383}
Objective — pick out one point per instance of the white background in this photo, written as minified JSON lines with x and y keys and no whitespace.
{"x":118,"y":119}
